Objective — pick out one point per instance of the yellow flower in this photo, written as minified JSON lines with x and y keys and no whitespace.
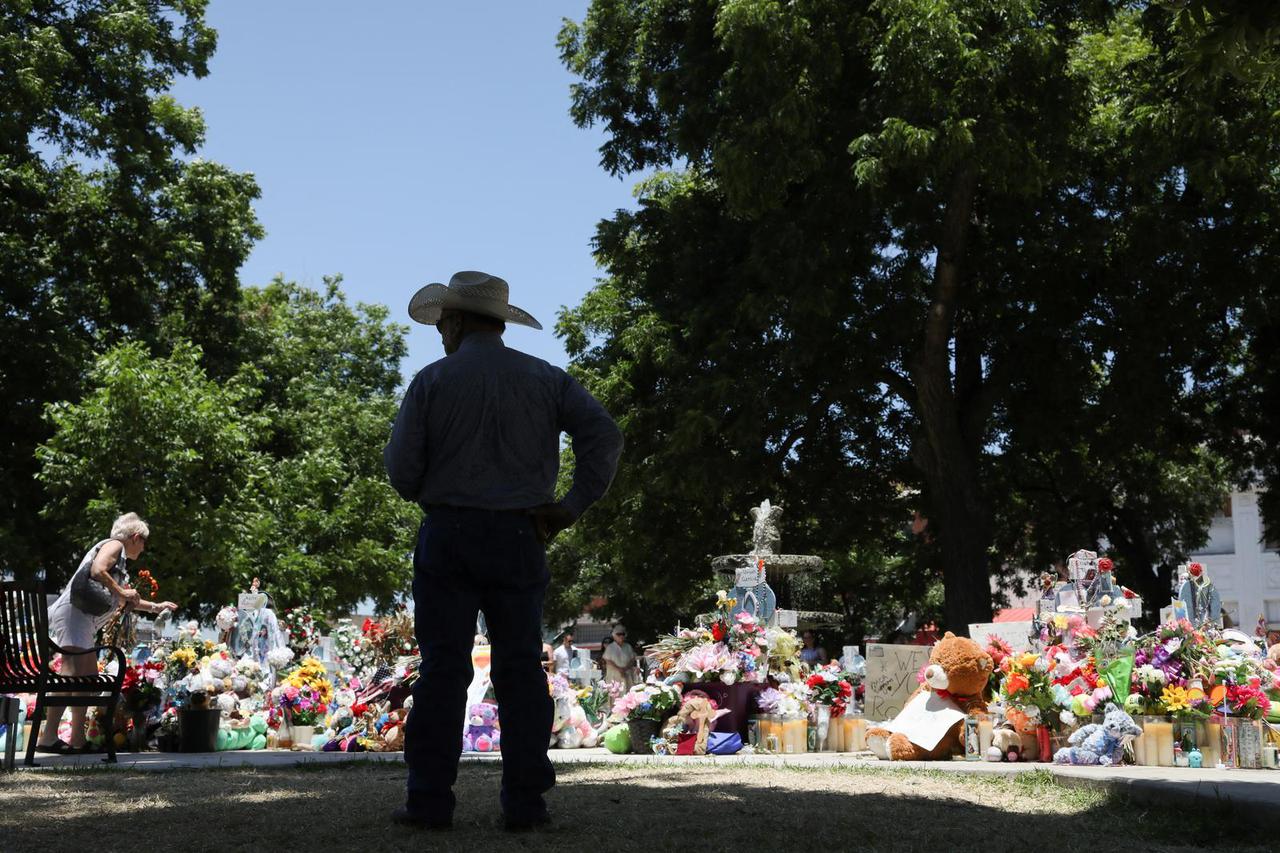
{"x":184,"y":656}
{"x":1060,"y":621}
{"x":1175,"y":698}
{"x":1027,"y":660}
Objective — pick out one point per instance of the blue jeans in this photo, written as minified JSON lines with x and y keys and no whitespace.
{"x":466,"y":561}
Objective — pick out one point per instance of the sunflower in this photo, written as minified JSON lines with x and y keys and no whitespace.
{"x":1175,"y":698}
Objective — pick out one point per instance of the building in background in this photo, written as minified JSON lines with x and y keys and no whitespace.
{"x":1242,"y":564}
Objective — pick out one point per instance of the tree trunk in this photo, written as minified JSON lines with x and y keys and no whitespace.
{"x":948,"y":447}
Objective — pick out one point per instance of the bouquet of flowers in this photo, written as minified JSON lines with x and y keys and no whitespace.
{"x":354,"y":648}
{"x":594,"y":699}
{"x":1027,"y":691}
{"x":829,"y":686}
{"x":301,"y":705}
{"x":788,"y":699}
{"x":143,"y":686}
{"x":302,"y":629}
{"x":725,"y":646}
{"x":651,"y":700}
{"x":392,"y":635}
{"x":1171,"y":667}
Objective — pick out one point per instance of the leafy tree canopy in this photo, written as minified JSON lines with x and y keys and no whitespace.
{"x":109,"y":229}
{"x":275,"y":473}
{"x":990,"y":250}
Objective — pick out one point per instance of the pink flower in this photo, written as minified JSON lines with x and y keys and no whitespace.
{"x":291,"y":693}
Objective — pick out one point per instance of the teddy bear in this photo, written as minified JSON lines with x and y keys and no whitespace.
{"x":1102,"y":744}
{"x":686,"y":732}
{"x":250,"y":733}
{"x":930,"y":725}
{"x":482,"y":733}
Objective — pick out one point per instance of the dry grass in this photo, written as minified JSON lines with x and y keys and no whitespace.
{"x":596,"y":807}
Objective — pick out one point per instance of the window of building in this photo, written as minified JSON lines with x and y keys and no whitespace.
{"x":1222,"y":535}
{"x":1273,"y":611}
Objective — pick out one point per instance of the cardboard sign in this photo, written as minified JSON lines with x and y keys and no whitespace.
{"x":1016,"y":634}
{"x":748,"y":577}
{"x":891,"y":678}
{"x":926,"y":719}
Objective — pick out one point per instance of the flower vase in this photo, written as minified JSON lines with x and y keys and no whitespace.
{"x":823,"y":720}
{"x":302,"y":736}
{"x":1043,"y":744}
{"x":138,"y":734}
{"x":642,"y":732}
{"x":284,"y":737}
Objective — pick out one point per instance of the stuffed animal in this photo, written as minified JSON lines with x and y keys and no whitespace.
{"x":686,"y":731}
{"x":482,"y":733}
{"x":248,"y":733}
{"x":1006,"y":744}
{"x":1102,"y":744}
{"x":577,"y":731}
{"x":930,"y":725}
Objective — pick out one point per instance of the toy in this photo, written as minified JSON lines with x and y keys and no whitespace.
{"x":577,"y":731}
{"x":482,"y":733}
{"x":1201,"y":599}
{"x":687,"y":731}
{"x":1006,"y":744}
{"x":929,"y":726}
{"x":618,"y":739}
{"x":1102,"y":744}
{"x":250,"y":733}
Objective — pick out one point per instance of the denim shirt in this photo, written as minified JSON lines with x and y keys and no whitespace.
{"x":481,"y":428}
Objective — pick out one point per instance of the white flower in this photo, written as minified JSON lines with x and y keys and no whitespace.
{"x":1068,"y":718}
{"x":280,"y":657}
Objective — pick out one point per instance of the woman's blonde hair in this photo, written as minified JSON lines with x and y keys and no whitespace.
{"x":130,"y":525}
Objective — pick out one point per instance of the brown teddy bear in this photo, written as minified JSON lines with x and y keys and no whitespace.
{"x":930,"y":724}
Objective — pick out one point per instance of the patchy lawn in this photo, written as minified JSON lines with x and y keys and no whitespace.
{"x":595,"y":807}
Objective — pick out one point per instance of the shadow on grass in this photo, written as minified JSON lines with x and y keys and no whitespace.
{"x":615,"y":807}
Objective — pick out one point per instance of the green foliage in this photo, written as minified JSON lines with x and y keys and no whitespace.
{"x":108,"y":229}
{"x":275,"y":473}
{"x":994,"y":251}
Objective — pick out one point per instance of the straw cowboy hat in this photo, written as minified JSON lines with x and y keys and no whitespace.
{"x":468,"y":290}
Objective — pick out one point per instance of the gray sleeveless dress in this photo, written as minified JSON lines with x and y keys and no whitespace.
{"x":72,"y":627}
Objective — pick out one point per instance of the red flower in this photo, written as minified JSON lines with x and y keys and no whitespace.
{"x":1016,"y":683}
{"x":718,"y":632}
{"x":1105,"y":564}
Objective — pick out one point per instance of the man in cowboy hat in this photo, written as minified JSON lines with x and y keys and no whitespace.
{"x":477,"y":445}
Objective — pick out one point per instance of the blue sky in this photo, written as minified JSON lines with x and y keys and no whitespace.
{"x":399,"y":142}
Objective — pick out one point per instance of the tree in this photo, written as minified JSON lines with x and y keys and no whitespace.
{"x":329,"y":530}
{"x":158,"y":437}
{"x":275,"y":473}
{"x":987,"y":248}
{"x":108,"y":230}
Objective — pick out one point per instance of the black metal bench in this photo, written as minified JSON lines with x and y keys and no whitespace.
{"x":25,"y":654}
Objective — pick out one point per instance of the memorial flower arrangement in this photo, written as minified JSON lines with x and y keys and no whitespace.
{"x":353,"y":647}
{"x":788,"y":699}
{"x":829,"y":686}
{"x":652,"y":700}
{"x":1027,"y":691}
{"x":725,"y":646}
{"x":143,"y":686}
{"x":302,"y":628}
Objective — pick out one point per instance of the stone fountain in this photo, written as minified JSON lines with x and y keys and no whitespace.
{"x":752,"y":572}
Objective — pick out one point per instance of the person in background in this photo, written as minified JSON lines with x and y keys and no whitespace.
{"x":812,"y":653}
{"x":74,"y":630}
{"x":564,"y":654}
{"x":620,"y":659}
{"x":476,"y":444}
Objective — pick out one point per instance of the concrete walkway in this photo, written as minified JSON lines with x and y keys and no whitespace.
{"x":1253,"y":795}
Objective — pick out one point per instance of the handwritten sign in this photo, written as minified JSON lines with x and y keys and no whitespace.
{"x":1016,"y":634}
{"x":891,"y":677}
{"x":747,"y":577}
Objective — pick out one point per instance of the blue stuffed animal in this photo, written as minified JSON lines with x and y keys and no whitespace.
{"x":1100,"y":744}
